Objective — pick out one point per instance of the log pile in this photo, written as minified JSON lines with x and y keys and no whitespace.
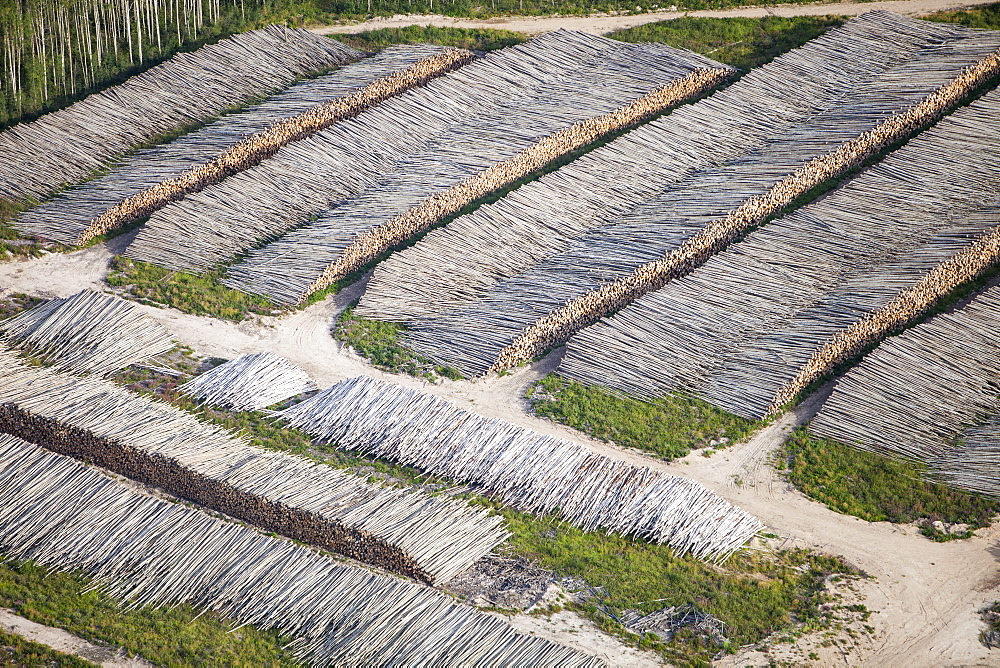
{"x":462,"y":122}
{"x":908,"y":305}
{"x":147,"y":551}
{"x":559,"y":325}
{"x":66,"y":146}
{"x":531,"y":472}
{"x":604,"y":269}
{"x":974,"y":464}
{"x":762,"y":320}
{"x":166,"y":447}
{"x":455,"y":265}
{"x":249,"y":382}
{"x":89,"y":332}
{"x":368,"y":245}
{"x":915,"y":394}
{"x":256,"y":148}
{"x":170,"y":476}
{"x":65,"y":217}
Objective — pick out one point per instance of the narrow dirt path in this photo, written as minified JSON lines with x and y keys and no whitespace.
{"x":926,"y":594}
{"x":600,"y":24}
{"x":67,"y":643}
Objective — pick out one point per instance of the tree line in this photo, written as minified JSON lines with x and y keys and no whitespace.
{"x":55,"y":51}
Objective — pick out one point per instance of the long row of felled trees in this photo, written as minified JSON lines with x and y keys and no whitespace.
{"x":53,"y":51}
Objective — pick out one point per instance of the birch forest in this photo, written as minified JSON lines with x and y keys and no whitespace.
{"x":54,"y":51}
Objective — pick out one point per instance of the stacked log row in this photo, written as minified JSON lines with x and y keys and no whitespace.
{"x":65,"y":217}
{"x":915,"y":394}
{"x":973,"y":464}
{"x":249,"y":382}
{"x":89,"y":332}
{"x":606,"y":268}
{"x":375,"y":241}
{"x":534,"y":473}
{"x":405,"y":531}
{"x":758,"y":322}
{"x":905,"y":307}
{"x":558,"y":326}
{"x":148,"y":551}
{"x":501,"y":94}
{"x":256,"y":148}
{"x":452,"y":266}
{"x":168,"y":475}
{"x":66,"y":146}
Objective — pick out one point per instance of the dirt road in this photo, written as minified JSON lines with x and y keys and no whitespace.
{"x":925,"y":594}
{"x":67,"y":643}
{"x":600,"y":24}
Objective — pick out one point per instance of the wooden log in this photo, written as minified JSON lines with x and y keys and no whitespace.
{"x":145,"y":550}
{"x":65,"y":146}
{"x":442,"y":536}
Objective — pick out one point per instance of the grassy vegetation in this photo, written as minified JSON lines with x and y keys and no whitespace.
{"x":742,"y":43}
{"x":302,"y":12}
{"x":668,"y":427}
{"x":16,"y":303}
{"x":879,"y":489}
{"x":198,"y":294}
{"x":985,"y":16}
{"x":16,"y":652}
{"x":476,"y":39}
{"x":165,"y":636}
{"x":379,"y":342}
{"x":754,"y":593}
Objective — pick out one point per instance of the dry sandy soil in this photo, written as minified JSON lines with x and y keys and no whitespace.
{"x":67,"y":643}
{"x":600,"y":24}
{"x":925,"y":595}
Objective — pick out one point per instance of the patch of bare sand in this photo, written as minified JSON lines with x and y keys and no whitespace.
{"x":67,"y":643}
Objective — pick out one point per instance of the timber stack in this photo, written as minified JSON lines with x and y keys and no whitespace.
{"x":68,"y":145}
{"x":148,"y":551}
{"x":560,"y":325}
{"x":443,"y":536}
{"x":372,"y":243}
{"x":253,"y":150}
{"x":167,"y":474}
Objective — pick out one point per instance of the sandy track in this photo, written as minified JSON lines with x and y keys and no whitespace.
{"x":600,"y":24}
{"x":926,"y":594}
{"x":67,"y":643}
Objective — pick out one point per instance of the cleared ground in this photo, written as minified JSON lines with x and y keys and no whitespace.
{"x":924,"y":594}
